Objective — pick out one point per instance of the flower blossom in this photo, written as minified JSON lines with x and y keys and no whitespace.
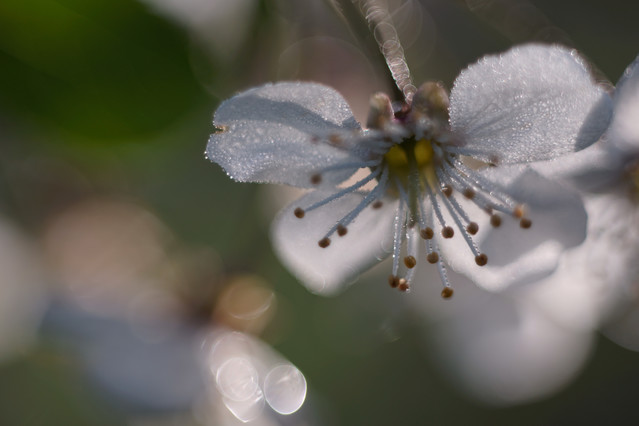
{"x":421,"y":183}
{"x":526,"y":342}
{"x":608,"y":175}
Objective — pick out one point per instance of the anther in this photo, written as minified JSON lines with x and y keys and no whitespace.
{"x":447,"y":190}
{"x":403,"y":285}
{"x":481,"y":259}
{"x":432,"y":257}
{"x":469,"y":193}
{"x":472,"y":228}
{"x":341,"y":230}
{"x":495,"y":220}
{"x":299,"y":212}
{"x":377,"y":204}
{"x":410,"y":262}
{"x":393,"y":281}
{"x":316,"y":179}
{"x":518,"y":212}
{"x":447,"y":293}
{"x":324,"y":242}
{"x":447,"y":232}
{"x":427,"y":233}
{"x":525,"y":223}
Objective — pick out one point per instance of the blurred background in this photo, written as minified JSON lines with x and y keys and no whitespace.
{"x":137,"y":281}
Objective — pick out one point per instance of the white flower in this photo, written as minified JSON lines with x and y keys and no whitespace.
{"x":609,"y":174}
{"x":531,"y":103}
{"x":529,"y":341}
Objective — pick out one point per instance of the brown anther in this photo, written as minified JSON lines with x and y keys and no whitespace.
{"x":341,"y":230}
{"x":495,"y":220}
{"x":299,"y":212}
{"x":316,"y":179}
{"x":447,"y":232}
{"x":447,"y":293}
{"x":377,"y":204}
{"x":469,"y":193}
{"x":518,"y":212}
{"x":472,"y":228}
{"x":403,"y":285}
{"x":481,"y":259}
{"x":324,"y":242}
{"x":427,"y":233}
{"x":410,"y":262}
{"x":447,"y":190}
{"x":393,"y":281}
{"x":315,"y":139}
{"x":432,"y":257}
{"x":525,"y":223}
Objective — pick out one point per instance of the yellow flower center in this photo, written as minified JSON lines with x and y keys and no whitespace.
{"x":400,"y":157}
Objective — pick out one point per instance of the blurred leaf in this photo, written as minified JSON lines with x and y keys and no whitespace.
{"x":100,"y":69}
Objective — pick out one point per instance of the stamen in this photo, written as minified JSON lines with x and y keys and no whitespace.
{"x":377,"y":204}
{"x":398,"y":237}
{"x":372,"y":195}
{"x":432,"y":257}
{"x":447,"y":190}
{"x":344,"y":191}
{"x":495,"y":220}
{"x":456,"y":211}
{"x":324,"y":242}
{"x":427,"y":233}
{"x":481,"y":259}
{"x":460,"y":181}
{"x":341,"y":230}
{"x":486,"y":185}
{"x":410,"y":262}
{"x":525,"y":223}
{"x":472,"y":228}
{"x":447,"y":293}
{"x":448,"y":232}
{"x":403,"y":285}
{"x":316,"y":179}
{"x":435,"y":206}
{"x":393,"y":281}
{"x":469,"y":193}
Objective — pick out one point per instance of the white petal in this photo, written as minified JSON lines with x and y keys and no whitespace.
{"x":531,"y":103}
{"x":500,"y":348}
{"x":624,"y":129}
{"x":517,"y":255}
{"x":269,"y":134}
{"x":327,"y":270}
{"x":506,"y":352}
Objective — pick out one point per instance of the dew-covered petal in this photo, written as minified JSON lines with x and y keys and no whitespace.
{"x":533,"y":102}
{"x":327,"y":270}
{"x":516,"y":255}
{"x":278,"y":133}
{"x":624,"y":129}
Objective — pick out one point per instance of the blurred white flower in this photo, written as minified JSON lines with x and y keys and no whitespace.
{"x":223,"y":24}
{"x":531,"y":103}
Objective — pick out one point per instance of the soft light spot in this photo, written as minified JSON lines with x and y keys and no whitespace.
{"x":285,"y":389}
